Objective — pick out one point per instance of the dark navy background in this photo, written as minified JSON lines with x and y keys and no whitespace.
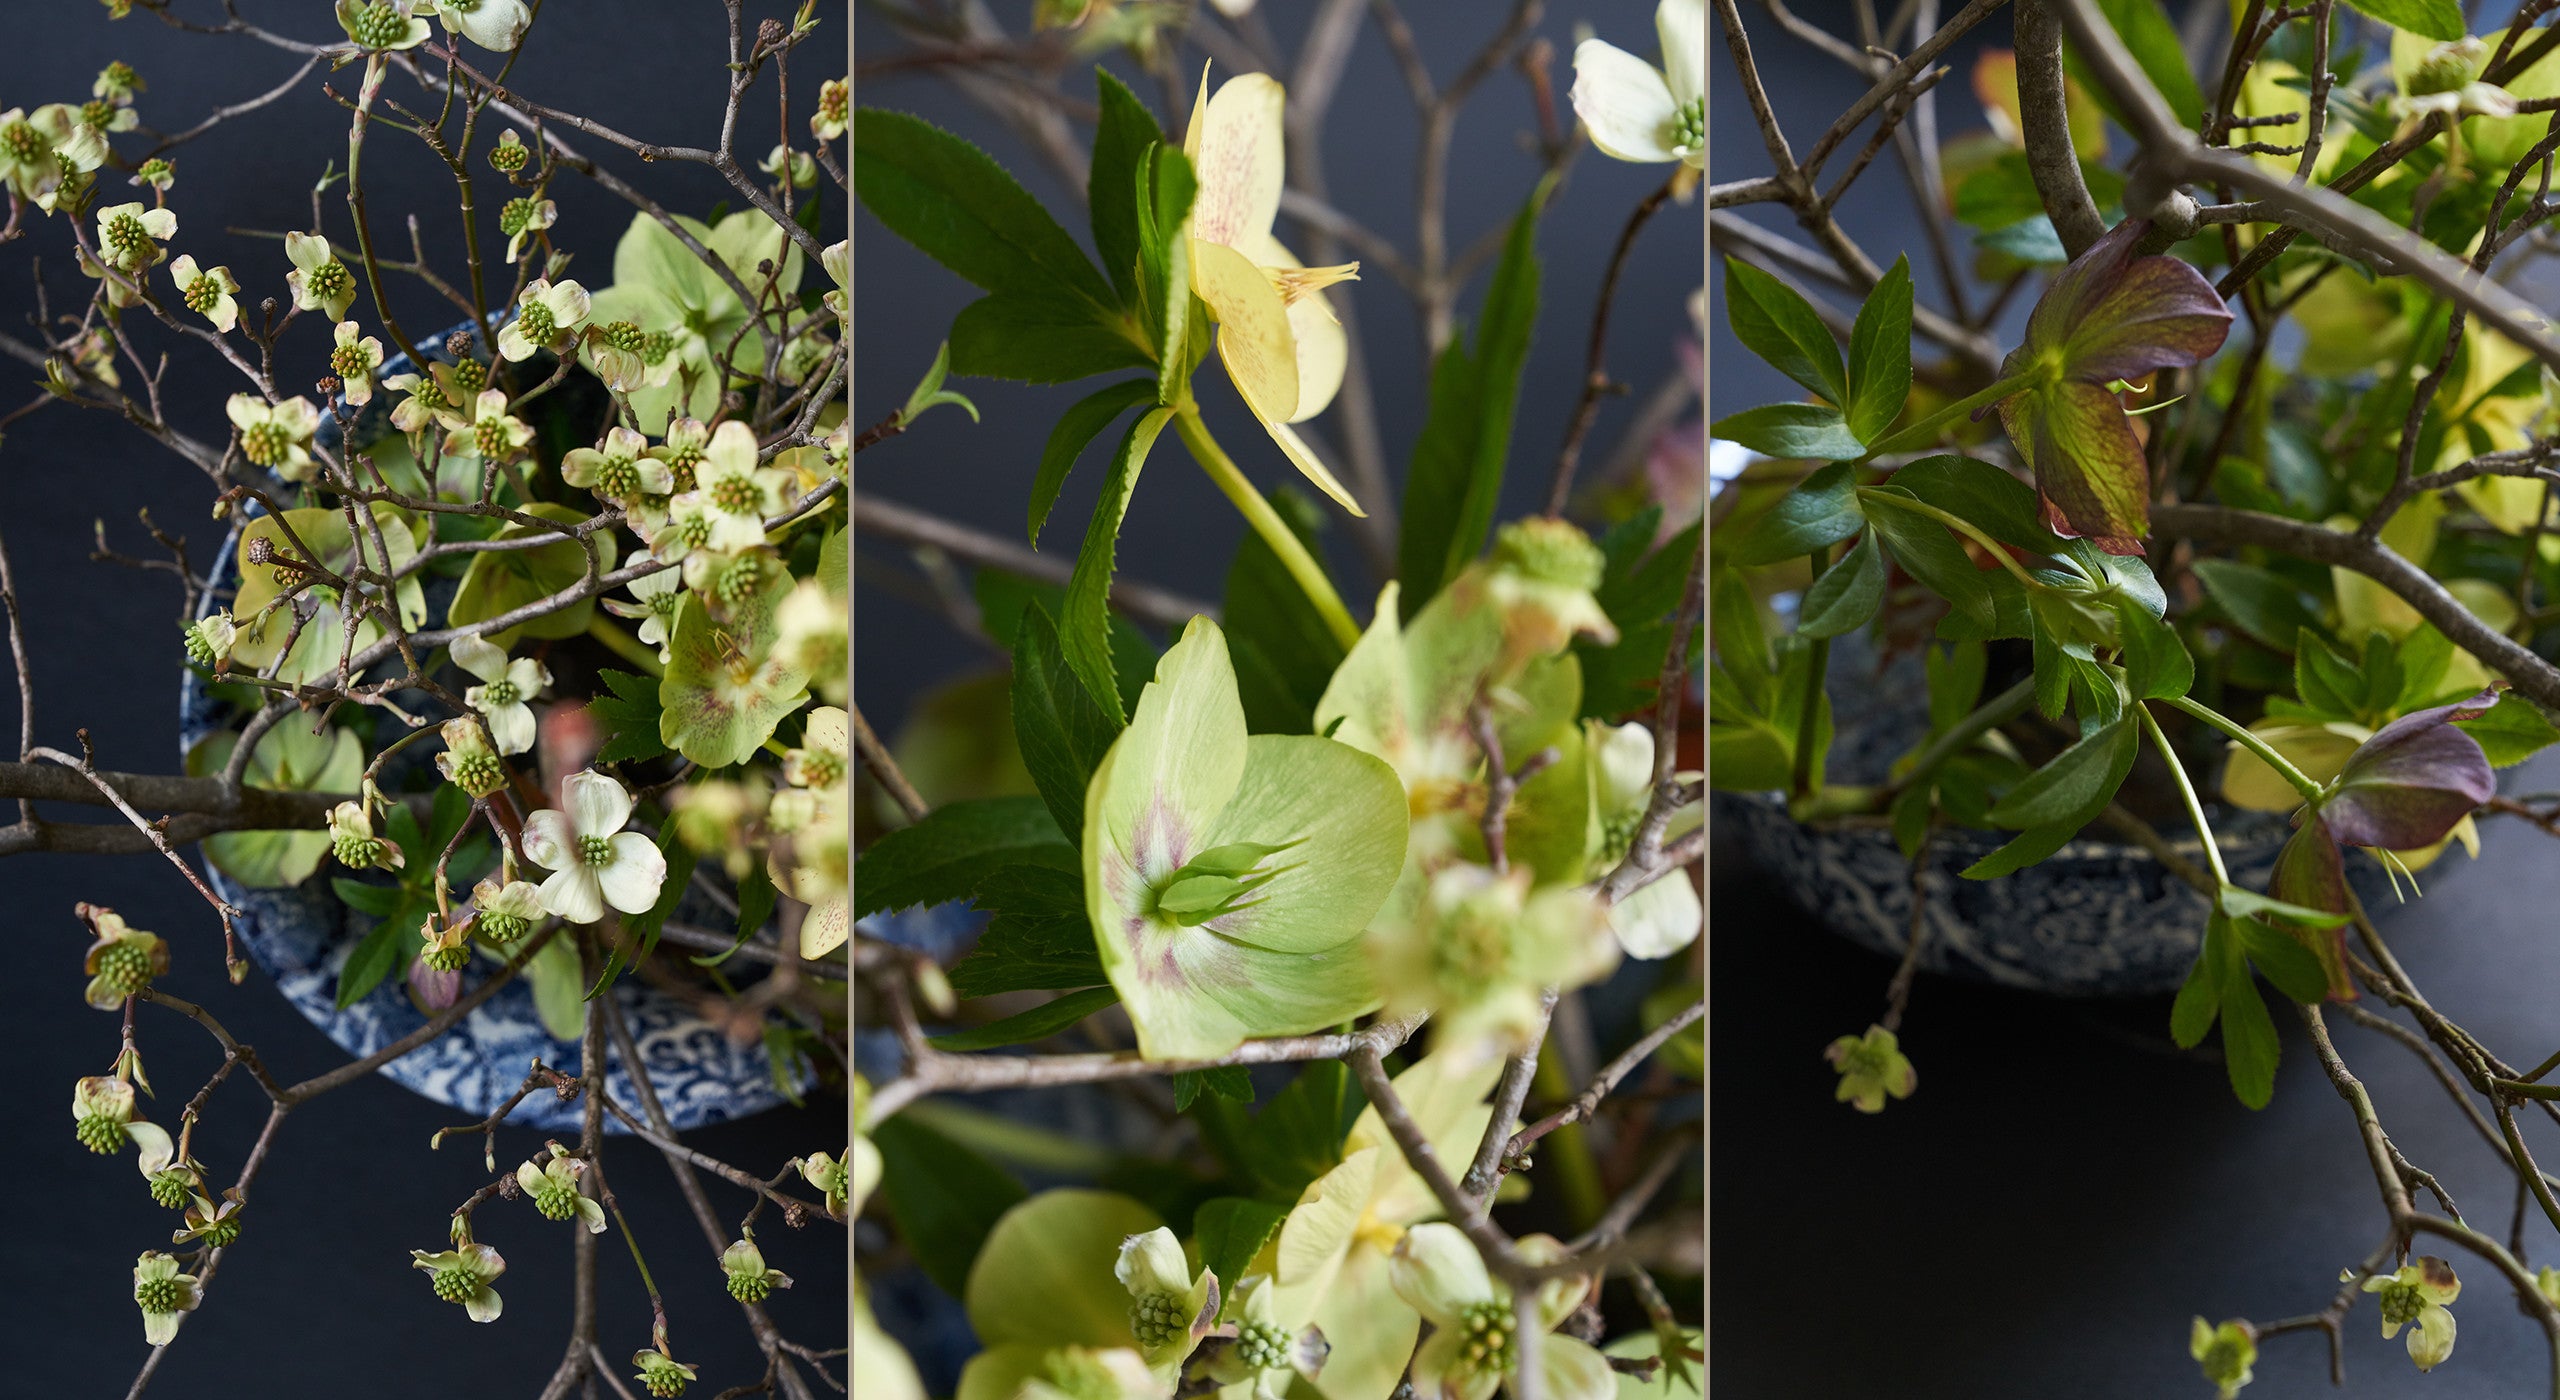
{"x":319,"y":1298}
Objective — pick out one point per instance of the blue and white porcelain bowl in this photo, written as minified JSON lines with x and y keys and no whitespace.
{"x":301,"y":936}
{"x":2096,"y":919}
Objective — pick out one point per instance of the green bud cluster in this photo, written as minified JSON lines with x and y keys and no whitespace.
{"x":1262,"y":1345}
{"x":1551,"y":552}
{"x":656,"y":346}
{"x":222,"y":1232}
{"x":662,"y":1377}
{"x":1689,"y":126}
{"x":379,"y":25}
{"x":1485,"y":1345}
{"x":24,"y":143}
{"x":509,"y":157}
{"x":749,"y":1288}
{"x":350,"y":362}
{"x":490,"y":437}
{"x":159,"y":1295}
{"x":203,"y":294}
{"x":99,"y":1133}
{"x":127,"y":239}
{"x":154,"y":170}
{"x":469,"y":377}
{"x":503,"y":928}
{"x":442,"y":958}
{"x":330,"y":281}
{"x":170,"y":1188}
{"x":478,"y":772}
{"x":124,"y":967}
{"x":621,"y":335}
{"x":738,"y":579}
{"x":535,"y":320}
{"x":455,"y":1284}
{"x":266,"y":442}
{"x":516,"y":215}
{"x":1156,"y":1319}
{"x":556,"y":1199}
{"x":358,"y":852}
{"x":618,"y":478}
{"x":2402,"y":1302}
{"x":595,"y":850}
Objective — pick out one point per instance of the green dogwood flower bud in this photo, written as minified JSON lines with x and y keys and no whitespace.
{"x":2224,"y":1353}
{"x":1871,"y":1067}
{"x":661,"y":1374}
{"x":749,"y":1280}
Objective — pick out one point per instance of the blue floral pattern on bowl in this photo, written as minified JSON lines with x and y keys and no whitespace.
{"x":301,"y":936}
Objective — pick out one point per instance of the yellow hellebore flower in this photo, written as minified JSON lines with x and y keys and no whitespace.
{"x":2418,"y":1293}
{"x":1279,"y":341}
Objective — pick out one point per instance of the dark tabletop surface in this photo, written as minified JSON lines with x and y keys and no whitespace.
{"x":319,"y":1298}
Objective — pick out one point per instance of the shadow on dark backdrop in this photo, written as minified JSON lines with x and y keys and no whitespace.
{"x":319,"y":1298}
{"x":2066,"y":1190}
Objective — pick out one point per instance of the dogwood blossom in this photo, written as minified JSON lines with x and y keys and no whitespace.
{"x":208,"y":292}
{"x":1637,"y":112}
{"x":505,"y":687}
{"x":593,"y":861}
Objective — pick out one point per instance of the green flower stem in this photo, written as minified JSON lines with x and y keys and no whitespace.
{"x":626,"y":646}
{"x":1927,"y":429}
{"x":1267,"y":523}
{"x":2186,"y":793}
{"x":1808,"y":718}
{"x":2002,"y":708}
{"x":2311,"y":791}
{"x":1963,"y":527}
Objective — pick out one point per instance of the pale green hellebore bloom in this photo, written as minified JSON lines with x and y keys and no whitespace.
{"x":1047,"y":1278}
{"x":1330,"y":1259}
{"x":1228,"y":877}
{"x":881,"y":1369}
{"x":661,"y":287}
{"x":1169,"y":1310}
{"x":2418,"y":1293}
{"x":1472,"y":1349}
{"x":165,"y":1293}
{"x":463,"y":1276}
{"x":2225,"y":1353}
{"x":1637,"y":112}
{"x":553,"y":1188}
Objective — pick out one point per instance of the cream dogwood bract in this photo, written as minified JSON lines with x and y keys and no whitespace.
{"x":594,"y":862}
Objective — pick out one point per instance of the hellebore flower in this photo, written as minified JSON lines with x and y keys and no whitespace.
{"x":1637,"y":112}
{"x":2108,"y":318}
{"x":463,"y":1276}
{"x":504,"y":688}
{"x":2225,"y":1353}
{"x":1228,"y":878}
{"x":1437,"y":1271}
{"x":593,"y":860}
{"x":1330,"y":1262}
{"x":1280,"y":343}
{"x":2406,"y":788}
{"x":165,"y":1294}
{"x":1047,"y":1279}
{"x":2418,"y":1294}
{"x":1871,"y":1066}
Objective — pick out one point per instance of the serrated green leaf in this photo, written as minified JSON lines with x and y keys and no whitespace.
{"x":1076,"y":429}
{"x":1790,"y":431}
{"x":1821,"y":510}
{"x":1039,"y":338}
{"x":1120,"y":140}
{"x":945,"y":1198}
{"x":2156,"y":663}
{"x":1061,"y":727}
{"x":1084,"y":626}
{"x":1880,"y":354}
{"x":1228,"y":1082}
{"x":1779,"y":326}
{"x":1230,"y":1230}
{"x":1846,"y":595}
{"x":2432,"y":19}
{"x":956,"y":846}
{"x":1039,"y":939}
{"x":626,"y":717}
{"x":2512,"y":731}
{"x":954,"y":202}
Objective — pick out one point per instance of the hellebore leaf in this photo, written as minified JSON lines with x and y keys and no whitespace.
{"x":1821,"y":511}
{"x":2512,"y":731}
{"x":2108,"y":316}
{"x":290,"y":758}
{"x":1779,"y":326}
{"x":1284,"y":957}
{"x":2405,"y":787}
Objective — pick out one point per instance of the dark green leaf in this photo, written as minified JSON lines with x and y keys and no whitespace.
{"x":2258,"y":601}
{"x":2249,"y":1046}
{"x":1928,"y":553}
{"x":947,"y":855}
{"x":1782,"y":328}
{"x":2284,"y":961}
{"x":371,"y":960}
{"x":2156,"y":663}
{"x":1639,"y":587}
{"x":627,"y":718}
{"x":1984,"y":496}
{"x":1809,"y":431}
{"x":377,"y":900}
{"x":2024,"y":850}
{"x":1038,"y":1023}
{"x":1822,"y":510}
{"x":1880,"y":354}
{"x":1040,"y":937}
{"x":2440,"y":20}
{"x":1456,"y":479}
{"x":2079,"y":780}
{"x":1955,"y":682}
{"x":1062,"y":728}
{"x":2512,"y":731}
{"x":1120,"y":141}
{"x":1298,"y":1135}
{"x":1164,"y":273}
{"x":1231,"y":1230}
{"x":1039,"y":338}
{"x":1229,"y":1082}
{"x":944,"y":1198}
{"x":1084,"y":624}
{"x":2153,"y":41}
{"x":2326,"y":681}
{"x":1846,"y":595}
{"x":1076,"y":429}
{"x":2199,"y":1000}
{"x":950,"y":199}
